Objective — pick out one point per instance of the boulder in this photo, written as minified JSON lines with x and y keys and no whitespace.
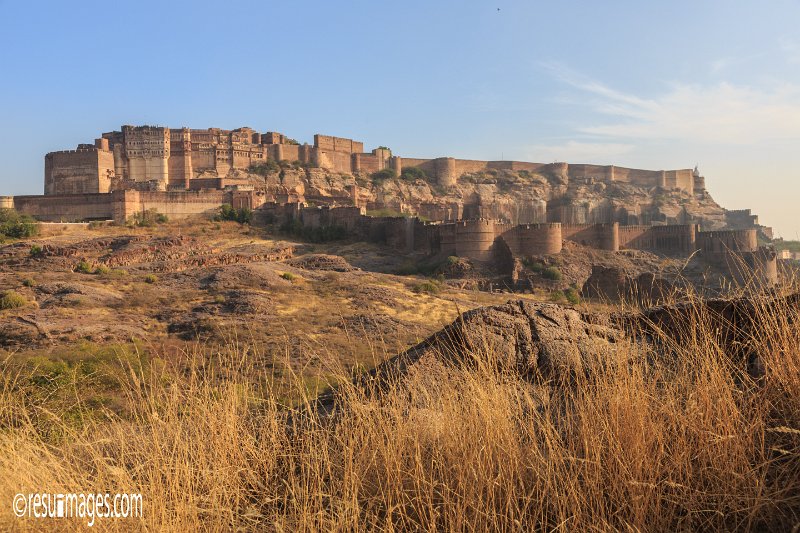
{"x":528,"y":338}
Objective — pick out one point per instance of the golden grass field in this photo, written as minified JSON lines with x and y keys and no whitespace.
{"x":679,"y":440}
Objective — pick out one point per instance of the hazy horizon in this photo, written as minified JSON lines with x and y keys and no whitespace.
{"x":659,"y":87}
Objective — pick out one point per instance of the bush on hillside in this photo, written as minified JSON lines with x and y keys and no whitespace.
{"x":552,"y":273}
{"x":242,"y":215}
{"x":12,"y":300}
{"x":148,"y":219}
{"x":16,"y":226}
{"x":270,"y":166}
{"x":383,"y":175}
{"x":413,"y":174}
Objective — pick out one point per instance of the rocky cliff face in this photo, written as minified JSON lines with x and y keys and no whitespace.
{"x":515,"y":196}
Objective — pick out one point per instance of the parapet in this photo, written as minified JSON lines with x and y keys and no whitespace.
{"x":338,"y":144}
{"x":727,"y":241}
{"x":533,"y":239}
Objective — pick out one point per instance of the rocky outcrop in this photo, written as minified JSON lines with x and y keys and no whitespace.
{"x":18,"y":332}
{"x":613,"y":283}
{"x":517,"y":196}
{"x":553,"y":342}
{"x":521,"y":336}
{"x":323,"y":262}
{"x":735,"y":324}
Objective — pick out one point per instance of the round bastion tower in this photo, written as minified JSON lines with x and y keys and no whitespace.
{"x":445,"y":168}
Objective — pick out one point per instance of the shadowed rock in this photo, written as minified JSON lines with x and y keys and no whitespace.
{"x":520,"y":336}
{"x":554,"y":342}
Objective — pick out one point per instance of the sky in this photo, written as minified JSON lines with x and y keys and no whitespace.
{"x":640,"y":84}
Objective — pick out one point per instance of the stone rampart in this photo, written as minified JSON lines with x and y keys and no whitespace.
{"x":601,"y":236}
{"x":724,"y":241}
{"x":532,"y":239}
{"x":472,"y":239}
{"x":678,"y":239}
{"x":67,"y":207}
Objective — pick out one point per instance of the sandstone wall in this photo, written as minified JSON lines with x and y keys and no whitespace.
{"x":87,"y":170}
{"x":67,"y":208}
{"x":532,"y":239}
{"x":338,"y":144}
{"x":634,"y":237}
{"x":723,"y":241}
{"x":147,"y":149}
{"x":601,"y":236}
{"x":174,"y":204}
{"x":678,"y":239}
{"x":472,"y":239}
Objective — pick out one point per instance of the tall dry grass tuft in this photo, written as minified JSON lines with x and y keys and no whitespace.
{"x":684,"y":436}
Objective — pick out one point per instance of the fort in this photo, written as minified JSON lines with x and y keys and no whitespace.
{"x":158,"y":159}
{"x":183,"y":172}
{"x":734,"y":252}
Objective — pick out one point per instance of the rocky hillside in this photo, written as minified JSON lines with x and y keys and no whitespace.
{"x":516,"y":196}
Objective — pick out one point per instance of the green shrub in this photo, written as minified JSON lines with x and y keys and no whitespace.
{"x":149,"y":218}
{"x":413,"y":174}
{"x":36,"y":250}
{"x":29,"y":282}
{"x":288,"y":276}
{"x":102,"y":269}
{"x":151,"y":278}
{"x":533,"y":266}
{"x":12,"y":300}
{"x":557,"y":296}
{"x":242,"y":215}
{"x":572,"y":296}
{"x":17,"y":226}
{"x":83,"y":267}
{"x":270,"y":166}
{"x":408,"y":268}
{"x":383,"y":175}
{"x":551,"y":273}
{"x":219,"y":299}
{"x":428,"y":287}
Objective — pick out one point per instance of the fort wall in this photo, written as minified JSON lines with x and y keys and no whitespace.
{"x":634,"y":237}
{"x":724,"y":241}
{"x":87,"y":170}
{"x":147,"y":149}
{"x":174,"y":204}
{"x":67,"y":207}
{"x":532,"y":239}
{"x":680,"y":239}
{"x":488,"y":240}
{"x":469,"y":238}
{"x":601,"y":236}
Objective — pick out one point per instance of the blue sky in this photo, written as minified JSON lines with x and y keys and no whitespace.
{"x":715,"y":83}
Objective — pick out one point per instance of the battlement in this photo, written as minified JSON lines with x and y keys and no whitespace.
{"x":726,"y":241}
{"x":76,"y":151}
{"x":338,"y":144}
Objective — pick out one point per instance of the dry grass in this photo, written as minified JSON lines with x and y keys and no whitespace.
{"x":683,"y":439}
